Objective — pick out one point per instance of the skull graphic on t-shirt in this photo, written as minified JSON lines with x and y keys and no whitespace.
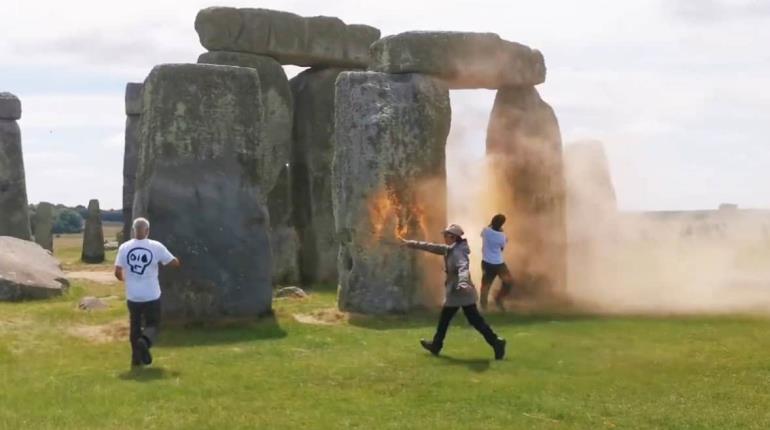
{"x":138,"y":260}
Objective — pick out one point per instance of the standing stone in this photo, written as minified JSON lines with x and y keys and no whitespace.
{"x":388,"y":180}
{"x":44,"y":225}
{"x":284,"y":239}
{"x":93,"y":235}
{"x":590,"y":194}
{"x":206,"y":165}
{"x":311,"y":166}
{"x":525,"y":154}
{"x":464,"y":60}
{"x":130,"y":152}
{"x":592,"y":215}
{"x":14,"y":213}
{"x":10,"y":107}
{"x":291,"y":39}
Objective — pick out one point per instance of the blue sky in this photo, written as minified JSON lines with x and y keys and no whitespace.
{"x":678,"y":90}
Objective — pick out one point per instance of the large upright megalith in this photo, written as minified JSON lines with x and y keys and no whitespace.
{"x":44,"y":225}
{"x":591,"y":201}
{"x":277,"y":100}
{"x":525,"y":155}
{"x":311,"y":166}
{"x":206,"y":166}
{"x":93,"y":235}
{"x":14,"y":214}
{"x":388,"y":180}
{"x":133,"y":117}
{"x":592,"y":215}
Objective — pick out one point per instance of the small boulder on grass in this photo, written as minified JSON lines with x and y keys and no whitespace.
{"x":291,"y":292}
{"x":91,"y":303}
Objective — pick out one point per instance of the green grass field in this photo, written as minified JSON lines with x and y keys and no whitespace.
{"x":63,"y":368}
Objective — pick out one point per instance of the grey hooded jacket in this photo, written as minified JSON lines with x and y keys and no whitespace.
{"x":459,"y":287}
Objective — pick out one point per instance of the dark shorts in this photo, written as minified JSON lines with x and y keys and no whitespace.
{"x":493,"y":270}
{"x":490,"y":272}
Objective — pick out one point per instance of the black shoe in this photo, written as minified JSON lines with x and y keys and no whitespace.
{"x":499,"y":348}
{"x":429,"y":346}
{"x":144,"y":351}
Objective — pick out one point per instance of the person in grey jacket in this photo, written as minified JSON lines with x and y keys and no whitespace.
{"x":460,"y":292}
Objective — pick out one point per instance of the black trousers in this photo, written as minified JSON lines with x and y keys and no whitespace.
{"x":144,"y":321}
{"x":474,"y":318}
{"x":488,"y":274}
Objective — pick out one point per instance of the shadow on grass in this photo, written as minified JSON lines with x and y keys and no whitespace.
{"x":221,"y":332}
{"x":473,"y":364}
{"x":428,"y":319}
{"x":147,"y":374}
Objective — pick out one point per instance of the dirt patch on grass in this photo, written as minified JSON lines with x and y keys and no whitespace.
{"x":330,"y":316}
{"x":100,"y":276}
{"x":105,"y":333}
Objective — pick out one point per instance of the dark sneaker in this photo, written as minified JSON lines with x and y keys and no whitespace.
{"x":430,"y":347}
{"x":499,"y":348}
{"x":144,"y":351}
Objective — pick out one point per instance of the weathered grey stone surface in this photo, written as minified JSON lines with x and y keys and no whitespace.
{"x":388,"y":179}
{"x":134,"y":98}
{"x":311,"y":167}
{"x":284,"y":239}
{"x":464,"y":60}
{"x":44,"y":225}
{"x":524,"y":149}
{"x":28,"y":271}
{"x":130,"y":152}
{"x":10,"y":106}
{"x":93,"y":235}
{"x":208,"y":158}
{"x":14,"y":214}
{"x":289,"y":38}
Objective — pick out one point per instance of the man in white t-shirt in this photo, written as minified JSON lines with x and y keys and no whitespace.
{"x":137,"y":266}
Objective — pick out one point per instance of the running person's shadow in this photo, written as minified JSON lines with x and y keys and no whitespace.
{"x":147,"y":374}
{"x":474,"y":364}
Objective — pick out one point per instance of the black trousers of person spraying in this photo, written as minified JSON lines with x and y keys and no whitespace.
{"x":474,"y":319}
{"x":144,"y":323}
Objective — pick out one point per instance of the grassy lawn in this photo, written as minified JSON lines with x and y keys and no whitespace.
{"x":64,"y":368}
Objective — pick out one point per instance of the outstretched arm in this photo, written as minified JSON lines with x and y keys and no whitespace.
{"x":434,"y":248}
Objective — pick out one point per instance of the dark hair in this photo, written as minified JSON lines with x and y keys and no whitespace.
{"x":497,"y":222}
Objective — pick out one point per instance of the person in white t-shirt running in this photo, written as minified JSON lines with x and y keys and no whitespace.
{"x":492,"y":262}
{"x":137,"y":266}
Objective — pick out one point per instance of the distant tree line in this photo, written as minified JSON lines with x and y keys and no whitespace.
{"x":71,"y":220}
